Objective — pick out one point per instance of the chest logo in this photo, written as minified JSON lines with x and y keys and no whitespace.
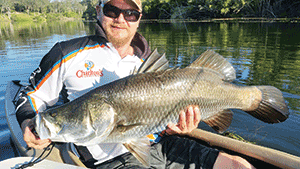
{"x":89,"y":65}
{"x":88,"y":72}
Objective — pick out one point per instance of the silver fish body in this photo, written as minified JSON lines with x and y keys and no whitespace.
{"x":144,"y":103}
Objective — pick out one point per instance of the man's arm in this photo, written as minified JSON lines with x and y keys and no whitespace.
{"x":43,"y":90}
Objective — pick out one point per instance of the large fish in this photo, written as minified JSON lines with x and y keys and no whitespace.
{"x":128,"y":109}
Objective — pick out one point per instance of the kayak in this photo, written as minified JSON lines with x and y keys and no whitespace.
{"x":62,"y":156}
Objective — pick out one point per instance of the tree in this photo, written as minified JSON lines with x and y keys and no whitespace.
{"x":90,"y":12}
{"x":6,"y":5}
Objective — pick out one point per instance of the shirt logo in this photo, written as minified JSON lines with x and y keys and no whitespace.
{"x":89,"y":65}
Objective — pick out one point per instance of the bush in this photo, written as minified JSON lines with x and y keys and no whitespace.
{"x":71,"y":15}
{"x":4,"y":18}
{"x":54,"y":16}
{"x":39,"y":18}
{"x":21,"y":17}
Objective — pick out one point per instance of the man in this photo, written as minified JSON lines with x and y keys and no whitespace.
{"x":74,"y":67}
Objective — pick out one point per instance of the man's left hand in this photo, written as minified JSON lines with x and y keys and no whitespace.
{"x":188,"y":121}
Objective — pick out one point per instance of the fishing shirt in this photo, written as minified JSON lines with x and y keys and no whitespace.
{"x":72,"y":68}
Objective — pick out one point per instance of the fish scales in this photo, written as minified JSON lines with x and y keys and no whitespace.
{"x":160,"y":96}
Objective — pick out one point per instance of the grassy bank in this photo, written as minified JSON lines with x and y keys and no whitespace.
{"x":17,"y":17}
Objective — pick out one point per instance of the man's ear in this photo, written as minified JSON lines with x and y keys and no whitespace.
{"x":98,"y":9}
{"x":140,"y":20}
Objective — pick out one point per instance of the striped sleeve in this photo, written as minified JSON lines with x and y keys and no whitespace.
{"x":45,"y":85}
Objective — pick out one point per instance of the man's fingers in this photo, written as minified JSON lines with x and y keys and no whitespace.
{"x":190,"y":118}
{"x":188,"y":121}
{"x":34,"y":142}
{"x":38,"y":144}
{"x":197,"y":116}
{"x":182,"y":120}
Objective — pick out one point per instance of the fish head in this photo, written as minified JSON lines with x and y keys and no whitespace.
{"x":45,"y":125}
{"x":77,"y":123}
{"x":60,"y":125}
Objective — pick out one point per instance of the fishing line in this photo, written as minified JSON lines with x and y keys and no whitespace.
{"x":187,"y":89}
{"x":39,"y":159}
{"x":190,"y":45}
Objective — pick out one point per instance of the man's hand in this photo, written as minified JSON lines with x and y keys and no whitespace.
{"x":31,"y":139}
{"x":188,"y":121}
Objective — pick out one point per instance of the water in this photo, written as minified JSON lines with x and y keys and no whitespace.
{"x":262,"y":54}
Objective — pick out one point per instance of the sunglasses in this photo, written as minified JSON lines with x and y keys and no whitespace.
{"x":130,"y":15}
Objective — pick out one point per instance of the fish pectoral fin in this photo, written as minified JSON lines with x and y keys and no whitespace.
{"x":121,"y":127}
{"x":221,"y":121}
{"x":140,"y":149}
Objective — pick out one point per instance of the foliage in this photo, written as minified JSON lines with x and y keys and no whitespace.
{"x":197,"y":9}
{"x":69,"y":8}
{"x":71,"y":14}
{"x":90,"y":12}
{"x":53,"y":16}
{"x":156,"y":9}
{"x":21,"y":17}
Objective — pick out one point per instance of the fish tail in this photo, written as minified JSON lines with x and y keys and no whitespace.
{"x":272,"y":107}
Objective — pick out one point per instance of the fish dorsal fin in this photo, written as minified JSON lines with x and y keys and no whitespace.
{"x":155,"y":62}
{"x":140,"y":149}
{"x":221,"y":121}
{"x":212,"y":60}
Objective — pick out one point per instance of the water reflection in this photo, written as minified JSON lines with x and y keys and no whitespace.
{"x":20,"y":33}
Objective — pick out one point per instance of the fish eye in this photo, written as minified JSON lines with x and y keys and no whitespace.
{"x":53,"y":114}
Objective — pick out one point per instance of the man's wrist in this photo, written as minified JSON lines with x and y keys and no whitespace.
{"x":26,"y":123}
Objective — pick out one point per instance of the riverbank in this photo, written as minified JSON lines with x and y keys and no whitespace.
{"x":242,"y":19}
{"x":69,"y":16}
{"x":18,"y":17}
{"x":216,"y":20}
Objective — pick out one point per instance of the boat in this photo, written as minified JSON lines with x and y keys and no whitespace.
{"x":61,"y":155}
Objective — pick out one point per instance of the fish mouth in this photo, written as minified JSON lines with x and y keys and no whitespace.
{"x":41,"y":127}
{"x":47,"y":130}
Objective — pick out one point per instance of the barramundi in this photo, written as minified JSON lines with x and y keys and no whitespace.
{"x":127,"y":110}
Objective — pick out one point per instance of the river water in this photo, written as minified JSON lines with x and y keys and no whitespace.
{"x":261,"y":53}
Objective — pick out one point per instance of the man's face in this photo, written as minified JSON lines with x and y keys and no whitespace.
{"x":118,"y":30}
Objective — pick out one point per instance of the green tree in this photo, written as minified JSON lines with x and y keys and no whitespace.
{"x":6,"y":5}
{"x":90,"y":12}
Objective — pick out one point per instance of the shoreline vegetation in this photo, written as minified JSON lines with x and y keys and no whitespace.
{"x":242,"y":19}
{"x":156,"y":11}
{"x":38,"y":17}
{"x":18,"y":17}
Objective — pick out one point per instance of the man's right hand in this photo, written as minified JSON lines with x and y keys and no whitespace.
{"x":31,"y":139}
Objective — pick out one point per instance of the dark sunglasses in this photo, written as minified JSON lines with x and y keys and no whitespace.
{"x":130,"y":15}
